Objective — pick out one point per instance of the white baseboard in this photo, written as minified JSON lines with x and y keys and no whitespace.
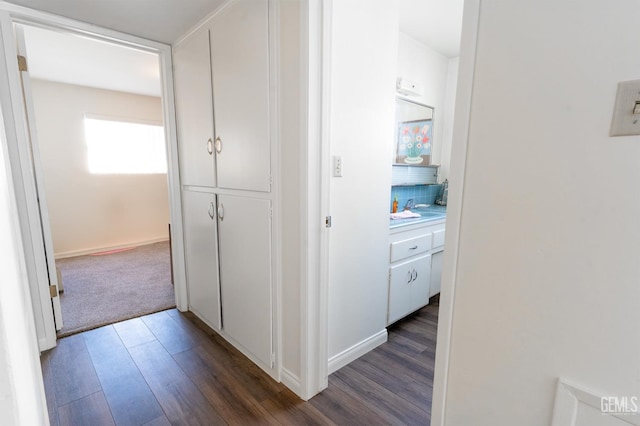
{"x":336,"y":362}
{"x":83,"y":252}
{"x":291,"y":381}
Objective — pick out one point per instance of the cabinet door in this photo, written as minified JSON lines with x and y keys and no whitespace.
{"x":436,"y":273}
{"x":244,"y":226}
{"x":400,"y":290}
{"x":421,"y":282}
{"x":194,"y":111}
{"x":240,"y":63}
{"x":202,"y":255}
{"x":408,"y":287}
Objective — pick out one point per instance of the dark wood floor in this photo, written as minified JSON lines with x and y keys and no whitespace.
{"x":169,"y":369}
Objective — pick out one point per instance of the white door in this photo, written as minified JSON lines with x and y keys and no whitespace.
{"x":240,"y":66}
{"x":244,"y":234}
{"x":37,"y":171}
{"x":194,"y":110}
{"x":201,"y":247}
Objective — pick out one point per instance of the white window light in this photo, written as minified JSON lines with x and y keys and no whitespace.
{"x":124,"y":147}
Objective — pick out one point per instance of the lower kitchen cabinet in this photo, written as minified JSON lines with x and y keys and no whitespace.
{"x":408,"y":286}
{"x":201,"y":260}
{"x":415,"y":255}
{"x":244,"y":236}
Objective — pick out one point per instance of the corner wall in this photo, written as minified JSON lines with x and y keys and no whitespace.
{"x":362,"y":84}
{"x":547,"y":273}
{"x":95,"y":212}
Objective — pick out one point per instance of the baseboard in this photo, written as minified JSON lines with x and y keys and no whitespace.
{"x":83,"y":252}
{"x":291,"y":381}
{"x":356,"y":351}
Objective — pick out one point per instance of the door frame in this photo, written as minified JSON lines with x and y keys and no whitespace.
{"x":455,"y":207}
{"x":18,"y":143}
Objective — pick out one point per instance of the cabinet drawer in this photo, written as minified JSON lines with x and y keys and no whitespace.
{"x":438,"y":238}
{"x":410,"y":247}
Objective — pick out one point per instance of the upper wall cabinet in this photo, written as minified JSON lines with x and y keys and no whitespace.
{"x":240,"y":64}
{"x":222,"y":93}
{"x":194,"y":111}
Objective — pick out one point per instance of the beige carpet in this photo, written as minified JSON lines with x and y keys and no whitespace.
{"x":104,"y":289}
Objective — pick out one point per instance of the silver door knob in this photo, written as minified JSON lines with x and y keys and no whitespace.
{"x":210,"y":146}
{"x":221,"y":211}
{"x":211,"y":211}
{"x":218,"y":145}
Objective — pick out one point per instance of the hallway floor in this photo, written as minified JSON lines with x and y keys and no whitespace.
{"x":168,"y":368}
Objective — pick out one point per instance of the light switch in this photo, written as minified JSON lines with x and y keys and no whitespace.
{"x":626,"y":112}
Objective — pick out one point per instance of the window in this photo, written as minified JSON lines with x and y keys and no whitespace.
{"x":121,"y":147}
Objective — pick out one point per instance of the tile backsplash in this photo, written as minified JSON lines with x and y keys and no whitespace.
{"x":421,"y":194}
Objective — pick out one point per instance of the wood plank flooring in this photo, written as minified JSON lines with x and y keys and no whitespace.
{"x":168,"y":368}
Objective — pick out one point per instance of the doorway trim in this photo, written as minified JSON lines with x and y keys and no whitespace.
{"x":455,"y":207}
{"x":26,"y":186}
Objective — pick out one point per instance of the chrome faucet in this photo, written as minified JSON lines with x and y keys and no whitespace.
{"x":409,"y":204}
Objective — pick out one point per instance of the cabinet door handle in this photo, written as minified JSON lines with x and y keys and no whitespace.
{"x":415,"y":275}
{"x":413,"y":248}
{"x":221,"y":211}
{"x":210,"y":146}
{"x":211,"y":211}
{"x":408,"y":277}
{"x":218,"y":145}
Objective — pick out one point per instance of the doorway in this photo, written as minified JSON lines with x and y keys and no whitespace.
{"x":101,"y":173}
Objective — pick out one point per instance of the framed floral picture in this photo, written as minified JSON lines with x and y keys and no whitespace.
{"x":414,"y":142}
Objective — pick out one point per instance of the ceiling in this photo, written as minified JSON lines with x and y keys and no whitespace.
{"x":159,"y":20}
{"x":436,"y":23}
{"x":52,"y":56}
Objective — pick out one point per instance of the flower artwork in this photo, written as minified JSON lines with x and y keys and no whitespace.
{"x":414,"y":142}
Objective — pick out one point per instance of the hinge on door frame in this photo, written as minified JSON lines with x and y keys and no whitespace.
{"x":22,"y":63}
{"x":53,"y":291}
{"x":327,"y":222}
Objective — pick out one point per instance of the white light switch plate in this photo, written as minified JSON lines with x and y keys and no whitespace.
{"x":625,"y":122}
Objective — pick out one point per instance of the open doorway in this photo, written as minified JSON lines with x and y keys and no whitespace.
{"x":102,"y":158}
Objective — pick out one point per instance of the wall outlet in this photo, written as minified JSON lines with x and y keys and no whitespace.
{"x":337,"y":166}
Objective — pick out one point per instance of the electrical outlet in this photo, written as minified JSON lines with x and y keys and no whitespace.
{"x":337,"y":166}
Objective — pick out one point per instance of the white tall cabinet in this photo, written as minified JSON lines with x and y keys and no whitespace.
{"x":224,"y":116}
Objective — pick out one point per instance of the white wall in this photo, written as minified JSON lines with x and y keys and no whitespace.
{"x":362,"y":80}
{"x":22,"y":399}
{"x":437,"y":75}
{"x":93,"y":212}
{"x":547,"y":273}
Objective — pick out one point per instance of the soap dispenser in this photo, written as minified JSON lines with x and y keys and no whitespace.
{"x":444,"y":194}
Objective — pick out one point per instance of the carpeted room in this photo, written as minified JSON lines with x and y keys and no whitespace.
{"x":109,"y":230}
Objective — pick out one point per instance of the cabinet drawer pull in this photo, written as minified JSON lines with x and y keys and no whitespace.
{"x":221,"y":211}
{"x":210,"y":146}
{"x":218,"y":145}
{"x":413,"y":248}
{"x":415,"y":275}
{"x":211,"y":211}
{"x":408,"y":277}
